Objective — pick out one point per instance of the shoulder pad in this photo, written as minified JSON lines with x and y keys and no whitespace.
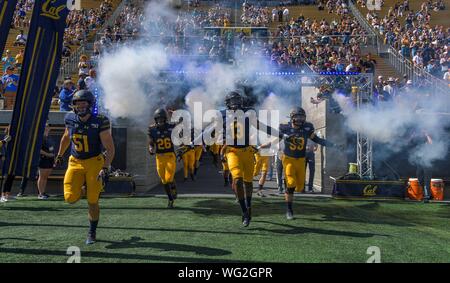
{"x":308,"y":126}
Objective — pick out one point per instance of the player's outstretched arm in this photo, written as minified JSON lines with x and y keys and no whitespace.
{"x":323,"y":142}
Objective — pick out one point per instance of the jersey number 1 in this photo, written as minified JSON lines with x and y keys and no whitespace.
{"x":81,"y":143}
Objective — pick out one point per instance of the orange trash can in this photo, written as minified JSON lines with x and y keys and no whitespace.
{"x":437,"y":189}
{"x":415,"y":190}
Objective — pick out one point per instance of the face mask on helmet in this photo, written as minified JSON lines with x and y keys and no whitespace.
{"x":235,"y":103}
{"x":298,"y":119}
{"x":82,"y":108}
{"x":160,"y":121}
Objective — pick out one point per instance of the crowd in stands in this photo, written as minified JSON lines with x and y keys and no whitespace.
{"x":410,"y":33}
{"x":295,"y":43}
{"x":21,"y":19}
{"x":81,"y":23}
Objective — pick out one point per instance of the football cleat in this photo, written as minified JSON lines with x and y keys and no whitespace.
{"x":91,"y":238}
{"x":245,"y":219}
{"x":260,"y":193}
{"x":289,"y":215}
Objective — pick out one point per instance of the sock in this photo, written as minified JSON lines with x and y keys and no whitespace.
{"x":248,"y":201}
{"x":93,"y":226}
{"x":260,"y":187}
{"x":289,"y":205}
{"x":168,"y":192}
{"x":243,"y":205}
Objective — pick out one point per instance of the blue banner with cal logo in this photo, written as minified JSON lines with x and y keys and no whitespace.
{"x":37,"y":82}
{"x":369,"y":189}
{"x":7,"y":8}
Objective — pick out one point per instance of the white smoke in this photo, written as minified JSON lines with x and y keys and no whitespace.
{"x":395,"y":123}
{"x":125,"y":76}
{"x":131,"y":74}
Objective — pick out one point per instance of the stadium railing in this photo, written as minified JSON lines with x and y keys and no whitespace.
{"x":415,"y":73}
{"x":70,"y":64}
{"x":375,"y":40}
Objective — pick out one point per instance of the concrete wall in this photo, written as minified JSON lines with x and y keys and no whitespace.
{"x":329,"y":162}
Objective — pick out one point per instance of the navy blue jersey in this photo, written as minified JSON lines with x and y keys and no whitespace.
{"x":295,"y":144}
{"x":162,"y":137}
{"x":85,"y":136}
{"x":240,"y":129}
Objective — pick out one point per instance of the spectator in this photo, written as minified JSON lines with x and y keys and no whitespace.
{"x":21,"y":39}
{"x":19,"y":59}
{"x":90,"y":81}
{"x":389,"y":88}
{"x":83,"y":65}
{"x":280,"y":15}
{"x":65,"y":96}
{"x":274,"y":14}
{"x":10,"y":81}
{"x":66,"y":51}
{"x":81,"y":84}
{"x":285,"y":14}
{"x":46,"y":162}
{"x":7,"y":61}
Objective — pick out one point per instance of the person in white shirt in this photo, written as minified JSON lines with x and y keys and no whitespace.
{"x":91,"y":80}
{"x":274,"y":14}
{"x":21,"y":39}
{"x":389,"y":87}
{"x":417,"y":59}
{"x":285,"y":14}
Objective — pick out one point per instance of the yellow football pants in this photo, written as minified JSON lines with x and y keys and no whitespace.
{"x":198,"y":152}
{"x":241,"y":162}
{"x":294,"y":170}
{"x":165,"y":166}
{"x":188,"y":162}
{"x":79,"y":172}
{"x":215,"y":149}
{"x":262,"y":163}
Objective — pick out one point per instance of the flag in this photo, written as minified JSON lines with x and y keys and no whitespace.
{"x":36,"y":85}
{"x":7,"y":8}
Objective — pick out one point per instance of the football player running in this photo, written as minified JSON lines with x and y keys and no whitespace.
{"x":295,"y":135}
{"x":86,"y":133}
{"x":237,"y":150}
{"x":160,"y":143}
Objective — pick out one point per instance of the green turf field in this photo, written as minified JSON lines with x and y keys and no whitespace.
{"x":199,"y":229}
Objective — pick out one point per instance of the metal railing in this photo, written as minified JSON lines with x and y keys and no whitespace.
{"x":70,"y":64}
{"x":416,"y":74}
{"x":375,"y":40}
{"x":400,"y":63}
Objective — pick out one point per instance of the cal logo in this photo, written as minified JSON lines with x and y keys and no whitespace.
{"x":52,"y":11}
{"x":370,"y":191}
{"x":95,"y":126}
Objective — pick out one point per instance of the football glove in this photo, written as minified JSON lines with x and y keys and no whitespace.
{"x":58,"y":161}
{"x":103,"y":175}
